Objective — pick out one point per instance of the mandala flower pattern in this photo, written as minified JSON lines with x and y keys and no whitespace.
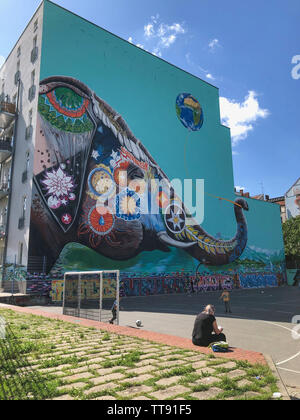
{"x":60,"y":188}
{"x":128,"y":205}
{"x":97,"y":223}
{"x":101,"y":183}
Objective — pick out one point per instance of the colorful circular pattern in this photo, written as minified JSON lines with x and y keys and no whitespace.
{"x":101,"y":183}
{"x":101,"y":220}
{"x":175,"y":218}
{"x":189,"y":111}
{"x":67,"y":102}
{"x":66,"y":219}
{"x":128,"y":205}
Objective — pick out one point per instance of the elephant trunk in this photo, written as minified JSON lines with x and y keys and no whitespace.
{"x":212,"y":251}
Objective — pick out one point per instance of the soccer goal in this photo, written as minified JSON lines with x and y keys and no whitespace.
{"x":92,"y":295}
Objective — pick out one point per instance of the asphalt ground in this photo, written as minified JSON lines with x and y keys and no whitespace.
{"x":261,"y":321}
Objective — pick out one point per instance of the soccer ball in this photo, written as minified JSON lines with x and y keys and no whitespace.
{"x":138,"y":323}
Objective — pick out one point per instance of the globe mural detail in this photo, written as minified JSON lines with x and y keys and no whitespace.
{"x":189,"y":112}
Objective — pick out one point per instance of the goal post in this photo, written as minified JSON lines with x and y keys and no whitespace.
{"x":92,"y":294}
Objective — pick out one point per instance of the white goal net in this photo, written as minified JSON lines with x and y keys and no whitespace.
{"x":92,"y":295}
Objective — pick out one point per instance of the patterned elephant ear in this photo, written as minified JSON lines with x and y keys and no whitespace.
{"x":67,"y":129}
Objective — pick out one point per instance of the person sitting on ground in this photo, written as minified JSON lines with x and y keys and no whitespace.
{"x":206,"y":329}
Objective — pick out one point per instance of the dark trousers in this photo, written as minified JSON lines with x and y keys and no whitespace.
{"x":227,"y":307}
{"x":114,"y":314}
{"x":213,"y":338}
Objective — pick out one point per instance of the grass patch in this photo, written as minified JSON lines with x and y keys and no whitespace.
{"x":178,"y":371}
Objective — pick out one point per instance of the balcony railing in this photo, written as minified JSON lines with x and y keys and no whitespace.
{"x":2,"y":231}
{"x":4,"y":187}
{"x":7,"y":107}
{"x":6,"y":145}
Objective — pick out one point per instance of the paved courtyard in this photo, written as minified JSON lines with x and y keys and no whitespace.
{"x":261,"y":321}
{"x":43,"y":358}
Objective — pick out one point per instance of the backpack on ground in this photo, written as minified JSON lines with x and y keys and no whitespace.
{"x":220,"y":347}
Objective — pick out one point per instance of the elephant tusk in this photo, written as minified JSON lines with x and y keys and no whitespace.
{"x":165,"y":238}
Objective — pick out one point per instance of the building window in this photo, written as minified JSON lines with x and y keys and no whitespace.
{"x":2,"y":96}
{"x":30,"y":117}
{"x":20,"y":253}
{"x":29,"y":128}
{"x":21,"y":224}
{"x":25,"y":173}
{"x":35,"y":50}
{"x":27,"y":161}
{"x":19,"y":51}
{"x":32,"y":77}
{"x":32,"y":90}
{"x":36,"y":25}
{"x":24,"y":203}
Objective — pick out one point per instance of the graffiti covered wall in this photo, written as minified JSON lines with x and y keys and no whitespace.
{"x":116,"y":126}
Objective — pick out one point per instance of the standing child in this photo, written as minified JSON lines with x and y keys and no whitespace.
{"x":114,"y":311}
{"x":226,"y":299}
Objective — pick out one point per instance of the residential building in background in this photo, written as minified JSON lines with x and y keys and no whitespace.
{"x":281,"y":202}
{"x":292,"y":200}
{"x":87,"y":107}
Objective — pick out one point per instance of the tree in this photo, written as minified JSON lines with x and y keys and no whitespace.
{"x":291,"y":237}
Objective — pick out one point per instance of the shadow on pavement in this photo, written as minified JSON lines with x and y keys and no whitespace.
{"x":274,"y":305}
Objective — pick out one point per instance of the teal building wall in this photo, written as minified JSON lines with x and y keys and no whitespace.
{"x":143,"y":90}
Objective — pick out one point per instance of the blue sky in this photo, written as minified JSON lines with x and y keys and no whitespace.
{"x":244,"y":48}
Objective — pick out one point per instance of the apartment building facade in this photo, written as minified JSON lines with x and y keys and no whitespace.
{"x":19,"y":82}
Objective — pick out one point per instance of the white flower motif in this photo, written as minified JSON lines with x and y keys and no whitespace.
{"x":58,"y":184}
{"x":115,"y":159}
{"x":95,"y":154}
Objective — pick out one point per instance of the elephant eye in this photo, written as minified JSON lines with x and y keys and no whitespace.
{"x":134,"y":172}
{"x":66,"y":110}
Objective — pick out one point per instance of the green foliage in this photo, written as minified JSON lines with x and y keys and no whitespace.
{"x":291,"y":237}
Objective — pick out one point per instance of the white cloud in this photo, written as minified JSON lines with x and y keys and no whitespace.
{"x":2,"y":60}
{"x":239,"y":117}
{"x":210,"y":76}
{"x":163,"y":35}
{"x":149,"y":30}
{"x":130,"y":39}
{"x":213,"y":44}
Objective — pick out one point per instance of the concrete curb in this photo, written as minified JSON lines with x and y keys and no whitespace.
{"x":280,"y":383}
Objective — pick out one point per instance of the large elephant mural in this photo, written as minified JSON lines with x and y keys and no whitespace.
{"x":92,"y":178}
